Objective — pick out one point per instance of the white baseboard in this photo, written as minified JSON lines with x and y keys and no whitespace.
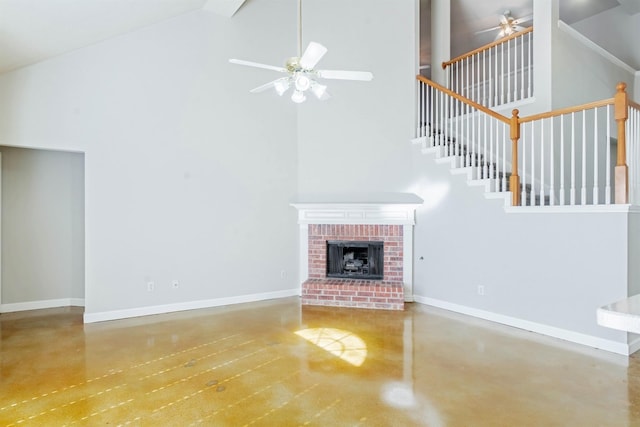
{"x":551,"y":331}
{"x":39,"y":305}
{"x":191,"y":305}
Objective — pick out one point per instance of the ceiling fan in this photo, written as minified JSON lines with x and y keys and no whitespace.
{"x":301,"y":73}
{"x":508,"y":25}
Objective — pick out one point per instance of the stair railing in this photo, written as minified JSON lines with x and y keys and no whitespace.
{"x":562,"y":157}
{"x":567,"y":156}
{"x":633,"y":152}
{"x":495,"y":74}
{"x":471,"y":135}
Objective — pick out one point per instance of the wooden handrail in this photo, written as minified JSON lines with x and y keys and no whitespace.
{"x":634,"y":105}
{"x":568,"y":110}
{"x":467,"y":101}
{"x":486,"y":47}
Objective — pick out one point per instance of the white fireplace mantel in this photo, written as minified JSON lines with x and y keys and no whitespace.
{"x":365,"y":208}
{"x":362,"y":208}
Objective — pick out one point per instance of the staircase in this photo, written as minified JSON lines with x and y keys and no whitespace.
{"x":557,"y":158}
{"x":480,"y":171}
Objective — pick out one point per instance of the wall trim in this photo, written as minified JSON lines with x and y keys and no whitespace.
{"x":39,"y":305}
{"x":182,"y":306}
{"x":551,"y":331}
{"x":572,"y":209}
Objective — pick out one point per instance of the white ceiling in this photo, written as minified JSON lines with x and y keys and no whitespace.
{"x":34,"y":30}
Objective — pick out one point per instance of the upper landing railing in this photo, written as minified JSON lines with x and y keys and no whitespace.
{"x":583,"y":155}
{"x":495,"y":74}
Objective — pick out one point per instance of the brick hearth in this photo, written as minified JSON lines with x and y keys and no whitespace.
{"x":353,"y":293}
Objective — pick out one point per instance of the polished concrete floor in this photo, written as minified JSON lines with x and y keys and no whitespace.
{"x":279,"y":364}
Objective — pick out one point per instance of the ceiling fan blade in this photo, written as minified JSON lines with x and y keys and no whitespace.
{"x":504,"y":19}
{"x":488,"y":30}
{"x":264,"y":87}
{"x":312,"y":55}
{"x":258,"y":65}
{"x":518,"y":28}
{"x":345,"y":75}
{"x":523,"y":19}
{"x":281,"y":85}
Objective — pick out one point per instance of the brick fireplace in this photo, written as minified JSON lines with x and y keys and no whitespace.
{"x":389,"y":221}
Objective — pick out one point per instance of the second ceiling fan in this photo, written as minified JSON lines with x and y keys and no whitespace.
{"x":508,"y":25}
{"x":301,"y":73}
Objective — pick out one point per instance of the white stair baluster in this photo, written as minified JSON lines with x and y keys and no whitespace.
{"x":509,"y":70}
{"x":583,"y":188}
{"x":432,"y":113}
{"x":542,"y":192}
{"x":504,"y":159}
{"x":465,"y":89}
{"x":533,"y":165}
{"x":596,"y":138}
{"x":494,"y":141}
{"x":484,"y":79}
{"x":485,"y":166}
{"x":473,"y":78}
{"x":522,"y":67}
{"x":421,"y":111}
{"x":530,"y":93}
{"x":562,"y":189}
{"x":441,"y":122}
{"x":496,"y":73}
{"x":572,"y":191}
{"x":523,"y":176}
{"x":502,"y":74}
{"x":465,"y":137}
{"x":552,"y":165}
{"x":607,"y":186}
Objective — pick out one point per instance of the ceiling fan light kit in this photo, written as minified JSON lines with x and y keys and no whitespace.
{"x":302,"y":75}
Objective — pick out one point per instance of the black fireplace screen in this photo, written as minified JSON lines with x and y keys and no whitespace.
{"x":355,"y":260}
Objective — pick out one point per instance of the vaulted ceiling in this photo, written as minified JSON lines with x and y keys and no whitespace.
{"x":34,"y":30}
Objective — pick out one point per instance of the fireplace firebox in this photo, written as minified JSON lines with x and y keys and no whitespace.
{"x":355,"y":260}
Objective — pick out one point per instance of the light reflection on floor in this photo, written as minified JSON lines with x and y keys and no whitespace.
{"x":343,"y":344}
{"x":245,"y":365}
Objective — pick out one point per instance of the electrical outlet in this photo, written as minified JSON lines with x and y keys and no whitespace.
{"x":175,"y":284}
{"x":151,"y":286}
{"x":481,"y":290}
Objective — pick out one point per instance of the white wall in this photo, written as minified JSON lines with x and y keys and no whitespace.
{"x":614,"y":29}
{"x":440,"y":38}
{"x":634,"y":253}
{"x":356,"y":141}
{"x":582,"y":75}
{"x":188,"y":176}
{"x":42,"y":225}
{"x":553,"y":270}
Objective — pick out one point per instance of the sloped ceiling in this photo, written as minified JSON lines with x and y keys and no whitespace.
{"x":33,"y":30}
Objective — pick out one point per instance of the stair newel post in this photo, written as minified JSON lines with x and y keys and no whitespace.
{"x":621,"y":113}
{"x":514,"y":179}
